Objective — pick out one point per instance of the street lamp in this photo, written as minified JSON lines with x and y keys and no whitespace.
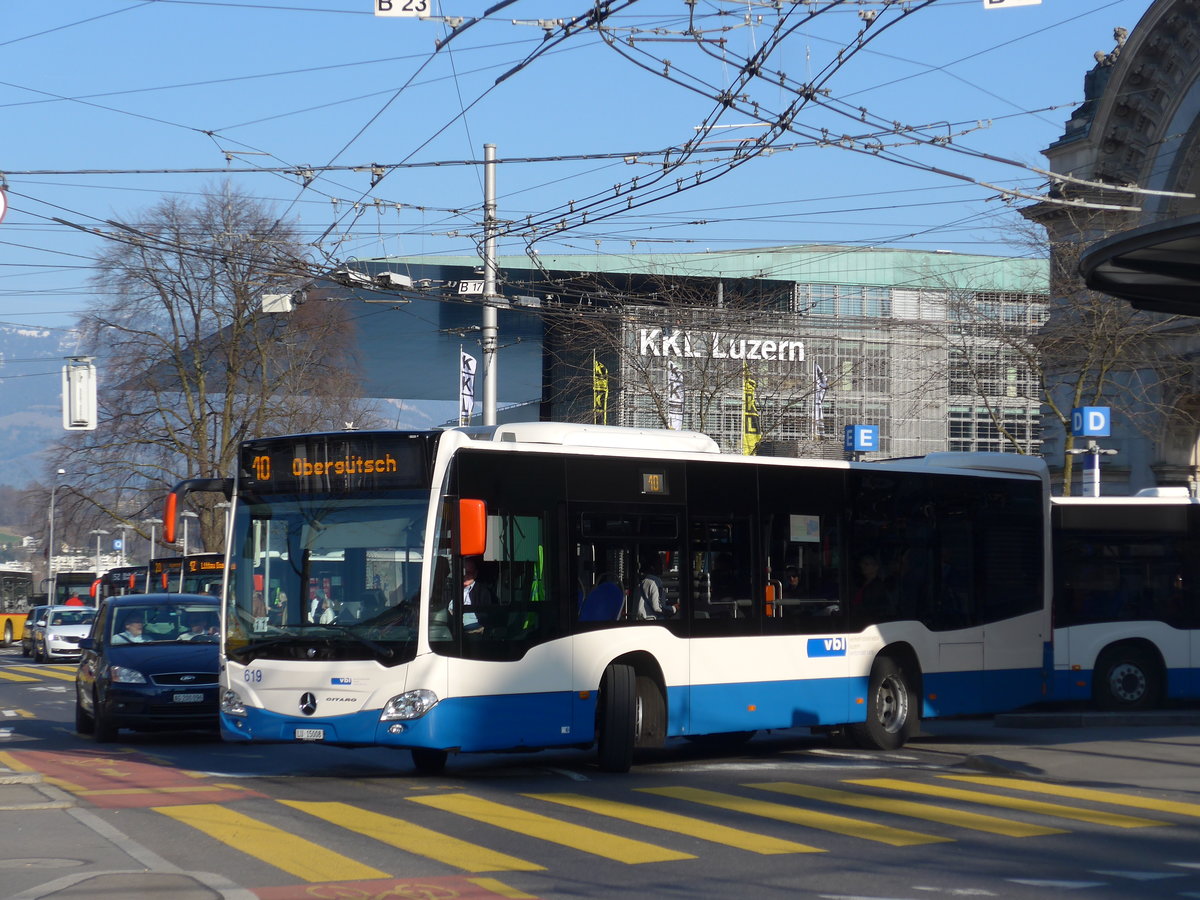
{"x":185,"y":515}
{"x":226,"y":507}
{"x":50,"y":537}
{"x":151,"y":523}
{"x":99,"y":533}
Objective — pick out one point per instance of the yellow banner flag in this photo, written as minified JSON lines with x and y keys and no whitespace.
{"x":750,"y":430}
{"x":599,"y":393}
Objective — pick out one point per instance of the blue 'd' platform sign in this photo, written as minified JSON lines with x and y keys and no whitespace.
{"x":1091,"y":421}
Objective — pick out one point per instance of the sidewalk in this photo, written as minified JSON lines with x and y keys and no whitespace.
{"x":53,"y":848}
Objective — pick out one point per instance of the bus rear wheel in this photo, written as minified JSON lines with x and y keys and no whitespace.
{"x":1126,"y":678}
{"x":892,"y":712}
{"x":617,"y":724}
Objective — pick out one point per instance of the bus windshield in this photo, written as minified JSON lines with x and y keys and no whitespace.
{"x":315,"y":578}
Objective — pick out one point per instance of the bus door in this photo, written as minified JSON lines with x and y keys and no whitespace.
{"x":807,"y":570}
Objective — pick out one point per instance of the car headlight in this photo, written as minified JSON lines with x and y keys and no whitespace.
{"x":409,"y":705}
{"x":232,"y":704}
{"x":126,"y":675}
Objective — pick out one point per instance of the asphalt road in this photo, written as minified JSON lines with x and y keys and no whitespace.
{"x":1098,"y":807}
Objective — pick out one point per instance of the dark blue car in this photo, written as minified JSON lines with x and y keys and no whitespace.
{"x":150,"y":663}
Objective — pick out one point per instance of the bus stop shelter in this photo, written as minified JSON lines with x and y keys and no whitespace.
{"x":1155,"y":267}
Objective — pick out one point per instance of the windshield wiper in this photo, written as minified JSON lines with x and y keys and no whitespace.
{"x":385,"y":652}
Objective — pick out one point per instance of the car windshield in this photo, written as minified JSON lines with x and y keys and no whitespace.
{"x":73,"y":617}
{"x":159,"y":623}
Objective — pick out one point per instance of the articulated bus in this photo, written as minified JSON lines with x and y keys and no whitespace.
{"x":1127,"y":598}
{"x":198,"y":573}
{"x":73,"y":589}
{"x":854,"y":597}
{"x":16,"y":586}
{"x":119,"y":581}
{"x":16,"y":592}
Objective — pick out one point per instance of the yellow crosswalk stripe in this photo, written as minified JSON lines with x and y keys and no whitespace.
{"x":1113,"y":797}
{"x":586,"y":840}
{"x":413,"y":838}
{"x":945,"y":815}
{"x":45,"y":672}
{"x":871,"y":831}
{"x":9,"y":676}
{"x":1115,"y":820}
{"x":666,"y":821}
{"x":302,"y":858}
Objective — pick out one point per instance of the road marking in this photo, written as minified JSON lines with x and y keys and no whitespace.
{"x":499,"y":887}
{"x":1057,"y":885}
{"x":1115,"y":820}
{"x":19,"y":713}
{"x":281,"y":849}
{"x":414,"y":839}
{"x":956,"y":817}
{"x":871,"y":831}
{"x":1112,"y":797}
{"x":1137,"y":876}
{"x":45,"y":672}
{"x":11,"y":762}
{"x":8,"y":676}
{"x":666,"y":821}
{"x":578,"y":837}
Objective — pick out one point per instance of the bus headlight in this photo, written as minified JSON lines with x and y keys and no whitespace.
{"x":409,"y":705}
{"x":232,"y":705}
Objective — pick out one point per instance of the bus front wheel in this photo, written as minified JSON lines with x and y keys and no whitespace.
{"x":8,"y":635}
{"x":617,"y":719}
{"x":1126,"y":678}
{"x":892,"y":712}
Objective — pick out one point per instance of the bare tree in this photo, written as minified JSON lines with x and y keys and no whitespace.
{"x":1096,"y":350}
{"x":189,"y":362}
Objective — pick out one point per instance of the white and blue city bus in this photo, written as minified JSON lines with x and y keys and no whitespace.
{"x":344,"y":621}
{"x":1127,"y":598}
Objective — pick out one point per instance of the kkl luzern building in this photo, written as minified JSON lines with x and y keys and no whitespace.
{"x":771,"y":350}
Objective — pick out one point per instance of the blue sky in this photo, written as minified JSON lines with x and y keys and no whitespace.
{"x":109,"y":105}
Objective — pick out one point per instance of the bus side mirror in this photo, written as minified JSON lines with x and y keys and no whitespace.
{"x":472,"y":527}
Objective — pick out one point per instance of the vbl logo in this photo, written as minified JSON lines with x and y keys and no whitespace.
{"x":831,"y":646}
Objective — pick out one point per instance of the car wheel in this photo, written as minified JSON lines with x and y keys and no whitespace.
{"x":103,"y":728}
{"x":84,"y":723}
{"x":24,"y":649}
{"x":38,"y":655}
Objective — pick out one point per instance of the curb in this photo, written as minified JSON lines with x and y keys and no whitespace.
{"x":1093,"y":719}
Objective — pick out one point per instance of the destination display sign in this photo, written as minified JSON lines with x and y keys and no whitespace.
{"x":337,"y":463}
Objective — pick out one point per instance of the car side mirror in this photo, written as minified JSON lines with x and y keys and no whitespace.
{"x":87,"y":643}
{"x":41,"y":623}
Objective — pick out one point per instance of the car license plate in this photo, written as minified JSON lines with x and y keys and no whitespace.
{"x":310,"y":734}
{"x":188,"y":698}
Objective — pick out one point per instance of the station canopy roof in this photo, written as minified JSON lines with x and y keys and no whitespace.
{"x":1155,"y":267}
